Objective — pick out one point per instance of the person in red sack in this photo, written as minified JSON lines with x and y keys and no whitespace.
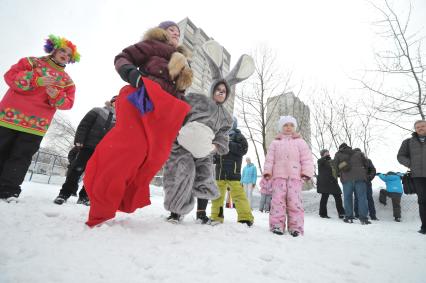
{"x":38,"y":86}
{"x":149,"y":114}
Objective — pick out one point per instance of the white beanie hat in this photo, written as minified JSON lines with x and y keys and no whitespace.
{"x":286,"y":119}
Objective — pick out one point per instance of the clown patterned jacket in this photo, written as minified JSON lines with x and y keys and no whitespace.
{"x":27,"y":107}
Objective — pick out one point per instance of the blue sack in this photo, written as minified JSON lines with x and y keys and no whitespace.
{"x":141,"y":101}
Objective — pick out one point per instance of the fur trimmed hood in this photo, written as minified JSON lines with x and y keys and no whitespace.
{"x":162,"y":35}
{"x":179,"y":70}
{"x":156,"y":34}
{"x":215,"y":84}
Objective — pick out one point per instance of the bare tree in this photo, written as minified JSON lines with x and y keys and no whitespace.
{"x":254,"y":96}
{"x":60,"y":136}
{"x":399,"y":80}
{"x":337,"y":121}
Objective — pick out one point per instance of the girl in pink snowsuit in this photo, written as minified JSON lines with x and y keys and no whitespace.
{"x":288,"y":163}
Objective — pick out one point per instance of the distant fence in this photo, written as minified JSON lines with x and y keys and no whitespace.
{"x":52,"y":169}
{"x":47,"y":168}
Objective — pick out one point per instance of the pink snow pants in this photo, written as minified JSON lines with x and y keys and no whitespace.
{"x":287,"y":202}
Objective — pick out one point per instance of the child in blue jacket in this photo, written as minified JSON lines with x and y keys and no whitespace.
{"x":393,"y":190}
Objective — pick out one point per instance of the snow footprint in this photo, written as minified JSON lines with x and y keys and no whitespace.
{"x":51,"y":213}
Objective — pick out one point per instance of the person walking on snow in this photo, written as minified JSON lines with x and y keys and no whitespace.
{"x":288,"y":163}
{"x":92,"y":128}
{"x":38,"y":86}
{"x":248,"y":180}
{"x":188,"y":173}
{"x":371,"y":173}
{"x":351,"y":167}
{"x":327,"y":184}
{"x":150,"y":111}
{"x":265,"y":195}
{"x":228,"y":175}
{"x":412,"y":154}
{"x":393,"y":190}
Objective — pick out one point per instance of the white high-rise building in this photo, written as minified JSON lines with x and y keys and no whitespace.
{"x":283,"y":105}
{"x":193,"y":38}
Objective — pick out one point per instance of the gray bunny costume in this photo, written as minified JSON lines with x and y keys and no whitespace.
{"x":186,"y":177}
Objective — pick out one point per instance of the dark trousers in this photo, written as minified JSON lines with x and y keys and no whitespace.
{"x":396,"y":201}
{"x":370,"y":201}
{"x":420,"y":185}
{"x":16,"y":151}
{"x":202,"y":204}
{"x":76,"y":169}
{"x":337,"y":199}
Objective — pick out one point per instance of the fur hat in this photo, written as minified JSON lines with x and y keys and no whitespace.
{"x":55,"y":42}
{"x":166,"y":24}
{"x":286,"y":119}
{"x":323,"y":152}
{"x":342,"y":146}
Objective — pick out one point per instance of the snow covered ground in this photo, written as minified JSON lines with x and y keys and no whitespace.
{"x":44,"y":242}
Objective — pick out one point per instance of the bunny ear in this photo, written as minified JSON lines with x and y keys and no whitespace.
{"x":214,"y":54}
{"x":242,"y":70}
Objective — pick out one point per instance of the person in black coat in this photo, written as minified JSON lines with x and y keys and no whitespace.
{"x":327,"y":185}
{"x":228,"y":175}
{"x":92,"y":128}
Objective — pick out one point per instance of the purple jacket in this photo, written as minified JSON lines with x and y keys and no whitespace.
{"x":289,"y":157}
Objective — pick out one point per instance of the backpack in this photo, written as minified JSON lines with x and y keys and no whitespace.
{"x":345,"y":165}
{"x":408,"y":184}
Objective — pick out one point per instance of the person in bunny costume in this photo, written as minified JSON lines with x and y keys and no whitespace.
{"x":288,"y":163}
{"x":188,"y":174}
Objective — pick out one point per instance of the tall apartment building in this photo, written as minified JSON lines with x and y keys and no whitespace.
{"x":283,"y":105}
{"x":193,"y":38}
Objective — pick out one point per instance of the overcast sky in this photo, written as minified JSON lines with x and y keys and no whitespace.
{"x":323,"y":42}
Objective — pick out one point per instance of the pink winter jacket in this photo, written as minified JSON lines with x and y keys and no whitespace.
{"x":289,"y":156}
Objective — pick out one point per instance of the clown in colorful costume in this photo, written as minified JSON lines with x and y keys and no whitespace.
{"x":128,"y":157}
{"x":37,"y":88}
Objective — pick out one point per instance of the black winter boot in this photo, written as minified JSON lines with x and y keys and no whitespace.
{"x":83,"y":200}
{"x":61,"y":198}
{"x":295,"y":233}
{"x":248,"y":222}
{"x":202,"y":217}
{"x":173,"y":218}
{"x":348,"y":220}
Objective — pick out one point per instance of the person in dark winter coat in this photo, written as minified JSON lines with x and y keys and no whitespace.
{"x":327,"y":184}
{"x":150,"y":112}
{"x":228,"y":175}
{"x":412,"y":154}
{"x":351,"y":169}
{"x":37,"y":87}
{"x":371,"y":173}
{"x":393,"y":190}
{"x":92,"y":128}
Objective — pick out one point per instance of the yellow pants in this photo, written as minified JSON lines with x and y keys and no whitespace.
{"x":239,"y":198}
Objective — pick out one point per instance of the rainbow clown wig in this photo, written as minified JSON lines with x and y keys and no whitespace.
{"x":55,"y":42}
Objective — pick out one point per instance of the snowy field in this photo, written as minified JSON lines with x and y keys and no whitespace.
{"x":44,"y":242}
